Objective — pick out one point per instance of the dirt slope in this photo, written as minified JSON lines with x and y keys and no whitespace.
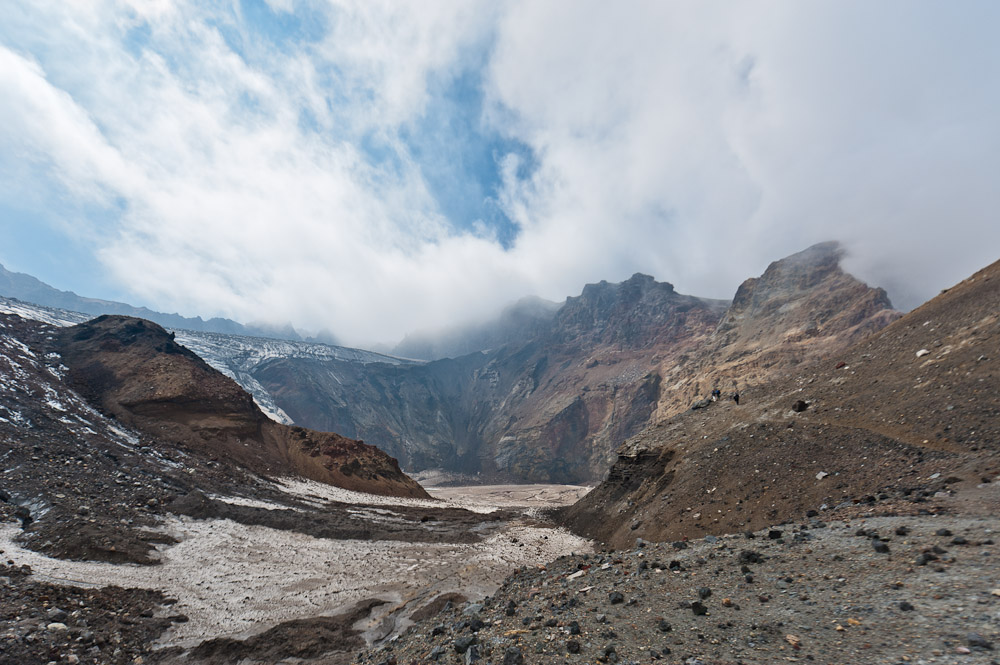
{"x":904,"y":413}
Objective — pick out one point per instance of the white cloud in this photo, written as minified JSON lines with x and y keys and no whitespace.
{"x":713,"y":138}
{"x":696,"y":142}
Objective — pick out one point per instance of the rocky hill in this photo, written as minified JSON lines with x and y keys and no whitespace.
{"x":909,"y":411}
{"x":555,"y":407}
{"x":134,"y":371}
{"x":104,"y":423}
{"x":560,"y":391}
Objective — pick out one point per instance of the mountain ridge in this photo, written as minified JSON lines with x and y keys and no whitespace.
{"x":554,"y":404}
{"x":902,"y":413}
{"x":30,"y":289}
{"x":616,"y":358}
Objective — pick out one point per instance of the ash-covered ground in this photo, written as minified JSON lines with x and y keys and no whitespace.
{"x":286,"y":571}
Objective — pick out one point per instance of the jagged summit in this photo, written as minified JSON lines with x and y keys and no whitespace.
{"x":637,"y":311}
{"x":902,"y":413}
{"x":790,"y":282}
{"x":800,"y":308}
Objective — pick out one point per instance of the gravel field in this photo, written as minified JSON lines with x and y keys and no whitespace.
{"x":863,"y":587}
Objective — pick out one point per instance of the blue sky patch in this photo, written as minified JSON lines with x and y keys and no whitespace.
{"x":460,"y":156}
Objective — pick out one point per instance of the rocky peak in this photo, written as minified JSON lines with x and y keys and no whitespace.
{"x":789,"y":277}
{"x":808,"y":292}
{"x":801,"y":307}
{"x":632,"y":312}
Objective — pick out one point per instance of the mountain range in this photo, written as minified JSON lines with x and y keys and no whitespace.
{"x":30,"y":289}
{"x":553,"y":402}
{"x":554,"y":405}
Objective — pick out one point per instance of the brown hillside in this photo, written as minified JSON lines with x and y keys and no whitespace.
{"x":134,"y":371}
{"x":881,"y":421}
{"x":803,"y":307}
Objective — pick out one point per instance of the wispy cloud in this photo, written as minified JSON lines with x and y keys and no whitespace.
{"x":376,"y":167}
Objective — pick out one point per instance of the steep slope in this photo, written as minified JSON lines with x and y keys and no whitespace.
{"x":903,"y":413}
{"x":135,"y":371}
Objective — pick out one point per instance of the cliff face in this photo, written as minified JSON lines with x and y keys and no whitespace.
{"x":611,"y":361}
{"x":903,"y":412}
{"x":134,"y":371}
{"x":803,"y":307}
{"x":551,"y":409}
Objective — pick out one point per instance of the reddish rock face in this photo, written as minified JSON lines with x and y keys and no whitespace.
{"x":133,"y":370}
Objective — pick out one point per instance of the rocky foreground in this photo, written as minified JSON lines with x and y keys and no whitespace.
{"x":888,"y":583}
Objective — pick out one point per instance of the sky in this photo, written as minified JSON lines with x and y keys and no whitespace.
{"x":372,"y":168}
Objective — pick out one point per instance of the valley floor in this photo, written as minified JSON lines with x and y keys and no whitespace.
{"x":235,"y":580}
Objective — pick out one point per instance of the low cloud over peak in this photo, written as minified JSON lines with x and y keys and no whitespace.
{"x":377,"y":168}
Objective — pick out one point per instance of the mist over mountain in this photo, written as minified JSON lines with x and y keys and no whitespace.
{"x":547,"y":392}
{"x":517,"y":322}
{"x":30,"y":289}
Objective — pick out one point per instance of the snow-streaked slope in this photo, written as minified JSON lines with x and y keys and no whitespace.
{"x":236,"y":356}
{"x":49,"y":315}
{"x":34,"y":397}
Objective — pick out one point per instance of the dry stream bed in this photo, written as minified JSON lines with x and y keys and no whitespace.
{"x":236,"y":579}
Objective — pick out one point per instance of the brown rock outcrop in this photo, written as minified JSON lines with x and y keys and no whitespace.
{"x":133,"y":370}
